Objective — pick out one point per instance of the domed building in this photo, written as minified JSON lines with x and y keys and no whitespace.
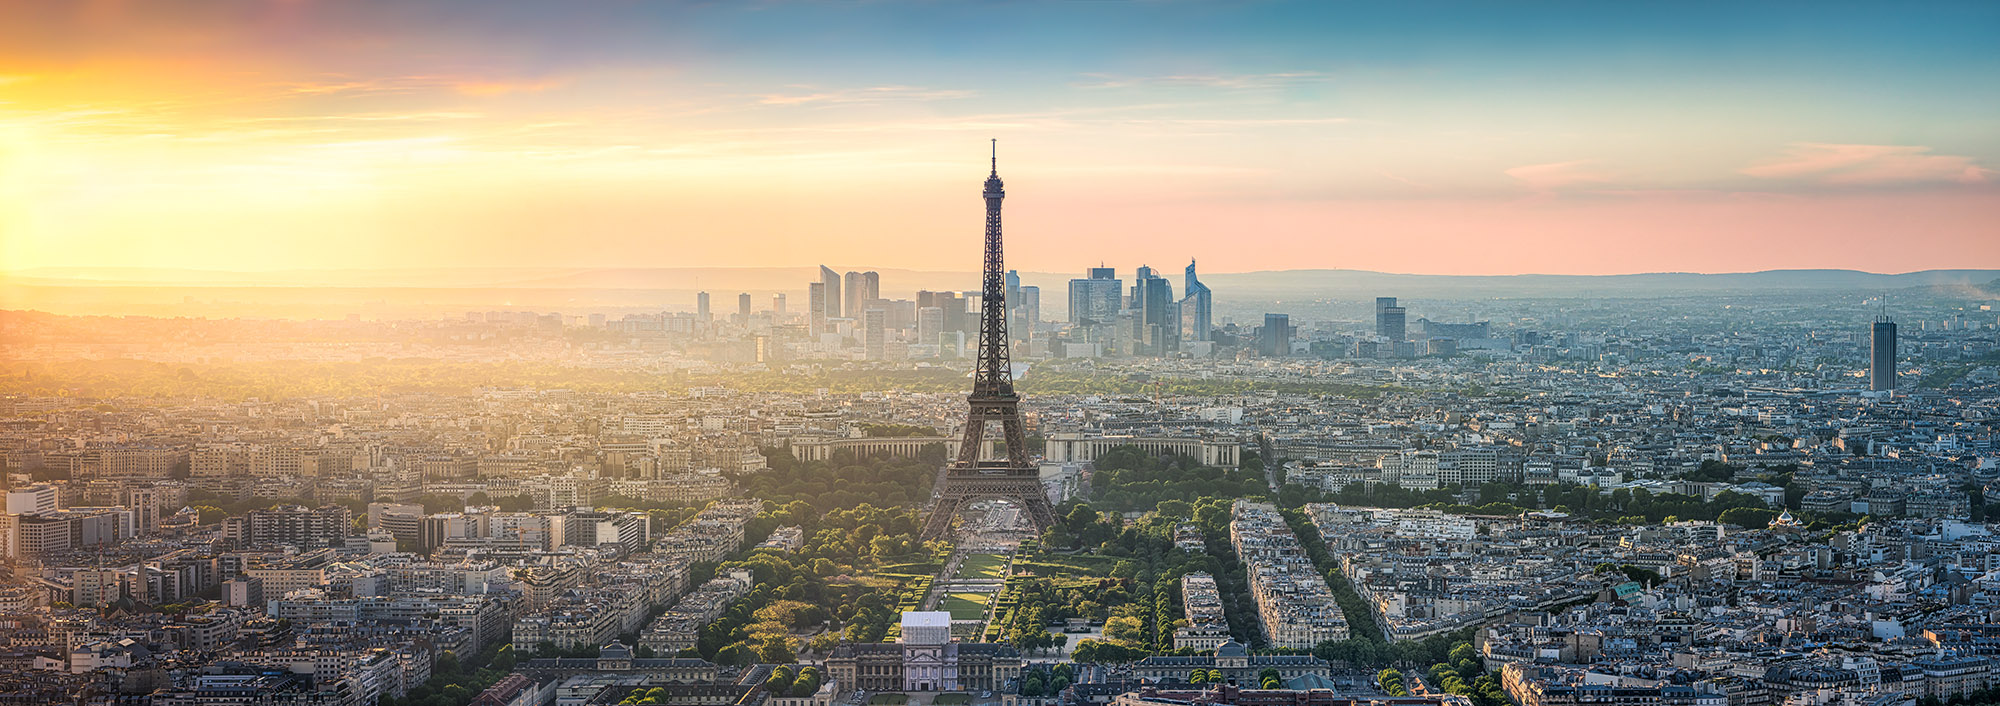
{"x":1237,"y":664}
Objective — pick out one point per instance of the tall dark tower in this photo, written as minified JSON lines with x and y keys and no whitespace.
{"x":970,"y":479}
{"x":1882,"y":355}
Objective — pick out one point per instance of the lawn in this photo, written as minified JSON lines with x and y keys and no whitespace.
{"x":888,"y":699}
{"x":965,"y":606}
{"x":988,"y":566}
{"x":952,"y":699}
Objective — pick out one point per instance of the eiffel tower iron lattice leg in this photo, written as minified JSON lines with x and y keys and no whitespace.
{"x":993,"y":400}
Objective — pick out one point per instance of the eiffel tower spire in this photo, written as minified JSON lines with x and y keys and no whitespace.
{"x":993,"y":400}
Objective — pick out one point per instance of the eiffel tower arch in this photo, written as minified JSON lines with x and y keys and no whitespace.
{"x":970,"y":479}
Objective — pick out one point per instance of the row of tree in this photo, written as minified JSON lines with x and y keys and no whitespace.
{"x":1127,"y":478}
{"x":1464,"y":675}
{"x":783,"y":682}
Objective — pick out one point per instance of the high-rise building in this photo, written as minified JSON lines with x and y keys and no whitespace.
{"x":950,"y":304}
{"x":701,"y":307}
{"x":1882,"y":356}
{"x":778,"y":305}
{"x":1031,"y":307}
{"x":861,"y":288}
{"x":1096,"y":299}
{"x":874,"y":333}
{"x":1390,"y":320}
{"x":850,"y":296}
{"x":816,"y":307}
{"x":830,"y":302}
{"x":930,"y":323}
{"x":1275,"y":338}
{"x":743,"y":306}
{"x":1017,"y":315}
{"x":1197,"y":307}
{"x":1156,"y":321}
{"x":146,"y":505}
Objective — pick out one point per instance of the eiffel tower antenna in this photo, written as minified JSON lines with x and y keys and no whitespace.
{"x":970,"y":479}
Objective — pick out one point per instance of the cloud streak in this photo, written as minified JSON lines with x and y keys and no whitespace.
{"x":1556,"y":176}
{"x":871,"y":94}
{"x":1868,"y":165}
{"x":1218,"y":81}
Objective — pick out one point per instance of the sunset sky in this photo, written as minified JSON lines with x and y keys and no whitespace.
{"x":1451,"y":138}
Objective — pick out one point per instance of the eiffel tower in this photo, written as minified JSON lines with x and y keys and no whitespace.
{"x":970,"y":479}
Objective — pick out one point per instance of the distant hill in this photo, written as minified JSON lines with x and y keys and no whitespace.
{"x":1276,"y":283}
{"x":1282,"y":283}
{"x":424,"y":292}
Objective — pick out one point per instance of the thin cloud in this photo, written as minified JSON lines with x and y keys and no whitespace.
{"x":1862,"y":165}
{"x":1559,"y":175}
{"x":1225,"y":81}
{"x":872,"y":94}
{"x":467,"y":86}
{"x":498,"y":88}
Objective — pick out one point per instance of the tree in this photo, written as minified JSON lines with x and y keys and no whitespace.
{"x":1125,"y":628}
{"x":781,"y":678}
{"x":504,"y":659}
{"x":1748,"y":517}
{"x":733,"y":654}
{"x":807,"y":682}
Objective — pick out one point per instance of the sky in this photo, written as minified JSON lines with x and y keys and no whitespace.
{"x":1420,"y":137}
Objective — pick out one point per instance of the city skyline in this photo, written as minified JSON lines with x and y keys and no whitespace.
{"x":1480,"y":140}
{"x":365,"y":353}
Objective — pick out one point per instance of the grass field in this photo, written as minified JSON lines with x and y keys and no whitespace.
{"x":888,"y":699}
{"x":952,"y":699}
{"x":988,"y":566}
{"x":965,"y":606}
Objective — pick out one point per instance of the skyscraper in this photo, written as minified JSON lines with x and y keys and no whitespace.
{"x":1275,"y":339}
{"x":831,"y":281}
{"x":701,"y":307}
{"x":871,"y":287}
{"x":930,"y":323}
{"x":778,"y":305}
{"x":1017,"y":318}
{"x":1197,"y":307}
{"x":743,"y":306}
{"x":1882,"y":356}
{"x":1390,"y":320}
{"x":1156,"y":322}
{"x":816,"y":307}
{"x":852,"y":298}
{"x":874,"y":333}
{"x":1095,"y":299}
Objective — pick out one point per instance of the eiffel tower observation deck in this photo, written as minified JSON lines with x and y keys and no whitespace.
{"x":1011,"y":476}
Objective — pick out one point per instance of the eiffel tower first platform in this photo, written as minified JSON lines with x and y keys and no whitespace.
{"x":1014,"y":478}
